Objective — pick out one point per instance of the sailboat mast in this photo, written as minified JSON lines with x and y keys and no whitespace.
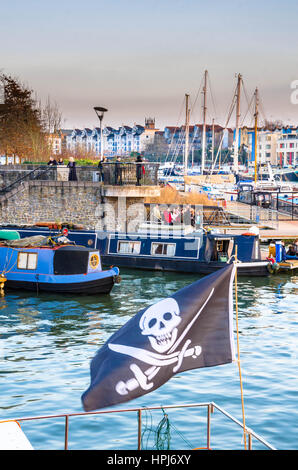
{"x":186,"y":135}
{"x":204,"y":122}
{"x":256,"y":132}
{"x":236,"y":149}
{"x":212,"y":154}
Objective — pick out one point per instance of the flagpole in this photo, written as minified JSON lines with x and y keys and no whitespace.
{"x":238,"y":348}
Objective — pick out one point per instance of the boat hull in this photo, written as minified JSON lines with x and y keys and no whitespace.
{"x":257,"y":268}
{"x":96,"y":286}
{"x":149,"y":262}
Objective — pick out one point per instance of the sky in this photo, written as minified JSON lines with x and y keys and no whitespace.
{"x":139,"y":58}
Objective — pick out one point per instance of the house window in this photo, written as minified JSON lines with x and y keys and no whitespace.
{"x":129,"y":247}
{"x":163,"y":249}
{"x":27,"y":261}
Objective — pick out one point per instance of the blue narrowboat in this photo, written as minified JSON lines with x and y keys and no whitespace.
{"x":198,"y":252}
{"x":39,"y":263}
{"x":166,"y":250}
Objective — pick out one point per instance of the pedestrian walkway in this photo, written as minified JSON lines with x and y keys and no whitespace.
{"x":253,"y":214}
{"x":266,"y":219}
{"x":286,"y":229}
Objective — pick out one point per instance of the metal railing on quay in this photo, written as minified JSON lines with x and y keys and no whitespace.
{"x":41,"y":172}
{"x":109,"y":173}
{"x":210,"y":407}
{"x":232,"y":214}
{"x":284,"y":202}
{"x":126,"y":173}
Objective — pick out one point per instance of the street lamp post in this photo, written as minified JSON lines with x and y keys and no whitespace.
{"x":100,"y":112}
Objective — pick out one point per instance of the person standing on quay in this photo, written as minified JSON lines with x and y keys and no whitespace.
{"x":101,"y":169}
{"x":118,"y":171}
{"x":72,"y":170}
{"x":52,"y":161}
{"x":139,"y":169}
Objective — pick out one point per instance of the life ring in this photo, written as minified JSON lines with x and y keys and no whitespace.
{"x":94,"y":260}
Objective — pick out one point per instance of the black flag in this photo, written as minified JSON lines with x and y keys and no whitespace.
{"x":191,"y":329}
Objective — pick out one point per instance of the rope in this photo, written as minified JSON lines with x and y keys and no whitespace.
{"x":238,"y":349}
{"x":161,"y":434}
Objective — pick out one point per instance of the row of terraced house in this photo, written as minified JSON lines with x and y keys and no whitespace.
{"x":277,"y":146}
{"x":145,"y":139}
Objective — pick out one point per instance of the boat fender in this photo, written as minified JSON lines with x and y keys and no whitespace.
{"x":2,"y":284}
{"x":273,"y":268}
{"x":117,"y":279}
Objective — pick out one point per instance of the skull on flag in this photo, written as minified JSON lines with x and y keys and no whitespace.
{"x":159,"y":322}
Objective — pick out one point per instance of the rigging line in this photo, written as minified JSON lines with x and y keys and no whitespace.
{"x":248,"y":109}
{"x":227,"y":122}
{"x":191,"y":145}
{"x":262,"y":108}
{"x":245,"y":92}
{"x":212,"y":98}
{"x":182,"y":106}
{"x":197,"y":95}
{"x":179,"y":144}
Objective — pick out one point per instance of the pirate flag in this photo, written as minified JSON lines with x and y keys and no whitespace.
{"x":191,"y":329}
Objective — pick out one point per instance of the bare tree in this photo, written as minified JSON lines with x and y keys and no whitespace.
{"x":271,"y":125}
{"x":52,"y":117}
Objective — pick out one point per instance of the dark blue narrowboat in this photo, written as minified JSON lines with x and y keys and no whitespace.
{"x":165,"y":249}
{"x":41,"y":264}
{"x":198,"y":252}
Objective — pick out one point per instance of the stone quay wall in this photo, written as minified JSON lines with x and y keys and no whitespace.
{"x":90,"y":204}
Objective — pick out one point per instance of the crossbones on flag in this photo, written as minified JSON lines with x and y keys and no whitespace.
{"x":191,"y":329}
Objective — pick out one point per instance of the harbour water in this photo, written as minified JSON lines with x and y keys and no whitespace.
{"x":47,"y":342}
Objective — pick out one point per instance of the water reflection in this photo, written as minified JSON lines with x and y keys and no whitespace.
{"x":46,"y":343}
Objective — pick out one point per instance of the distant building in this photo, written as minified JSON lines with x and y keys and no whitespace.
{"x":287,"y":147}
{"x":58,"y":141}
{"x":121,"y":141}
{"x":267,"y":146}
{"x":175,"y":136}
{"x":64,"y":133}
{"x":55,"y":143}
{"x":277,"y":146}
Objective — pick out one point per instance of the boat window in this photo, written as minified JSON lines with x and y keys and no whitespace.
{"x":129,"y":247}
{"x":71,"y":260}
{"x":163,"y":249}
{"x":27,"y":260}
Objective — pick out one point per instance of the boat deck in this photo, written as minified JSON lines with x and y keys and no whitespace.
{"x":290,"y":264}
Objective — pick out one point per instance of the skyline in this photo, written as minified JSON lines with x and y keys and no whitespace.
{"x":138,"y":59}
